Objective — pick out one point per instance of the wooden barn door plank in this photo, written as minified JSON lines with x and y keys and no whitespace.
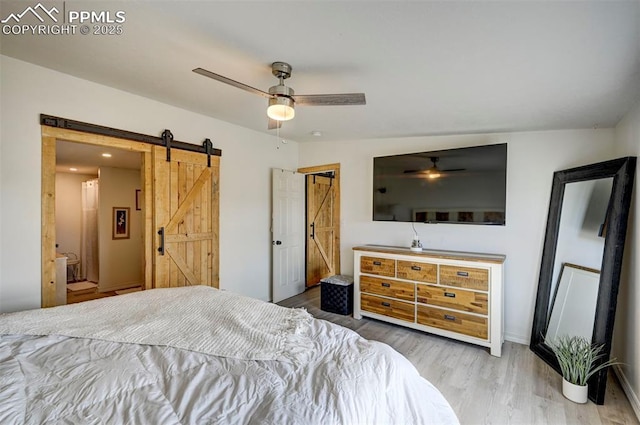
{"x":186,"y":206}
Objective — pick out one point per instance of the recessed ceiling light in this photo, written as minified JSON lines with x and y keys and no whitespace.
{"x":316,"y":133}
{"x":73,"y":169}
{"x":106,"y":155}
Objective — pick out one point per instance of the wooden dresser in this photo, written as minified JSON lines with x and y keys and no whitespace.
{"x":453,"y":294}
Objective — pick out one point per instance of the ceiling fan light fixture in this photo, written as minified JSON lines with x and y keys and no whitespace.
{"x":281,"y":108}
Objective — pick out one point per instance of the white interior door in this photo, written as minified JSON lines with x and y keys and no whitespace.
{"x":287,"y":234}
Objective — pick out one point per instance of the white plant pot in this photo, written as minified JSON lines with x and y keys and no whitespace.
{"x":575,"y":393}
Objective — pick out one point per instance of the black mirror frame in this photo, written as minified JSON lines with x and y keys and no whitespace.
{"x":623,"y":171}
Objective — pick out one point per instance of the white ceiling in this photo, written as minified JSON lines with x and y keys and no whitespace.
{"x":87,"y":159}
{"x":426,"y":67}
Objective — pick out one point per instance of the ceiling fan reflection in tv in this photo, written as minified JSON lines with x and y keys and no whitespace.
{"x":472,"y":189}
{"x":434,"y":171}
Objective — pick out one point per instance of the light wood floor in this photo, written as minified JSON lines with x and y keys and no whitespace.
{"x":88,"y":295}
{"x":517,"y":388}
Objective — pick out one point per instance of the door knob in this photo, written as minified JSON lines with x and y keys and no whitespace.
{"x":276,"y":242}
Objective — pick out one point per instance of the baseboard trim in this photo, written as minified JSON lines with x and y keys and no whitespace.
{"x":626,"y":387}
{"x":119,"y":287}
{"x":515,"y":338}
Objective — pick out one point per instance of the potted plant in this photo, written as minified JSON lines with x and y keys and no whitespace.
{"x":576,"y":356}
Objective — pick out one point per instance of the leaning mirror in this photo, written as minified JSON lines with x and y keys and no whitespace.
{"x":582,"y":259}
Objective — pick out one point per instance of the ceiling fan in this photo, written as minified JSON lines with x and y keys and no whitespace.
{"x":433,"y":172}
{"x":282,"y":99}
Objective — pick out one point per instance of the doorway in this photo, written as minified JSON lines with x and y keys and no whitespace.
{"x":322,"y":222}
{"x":90,"y":181}
{"x":51,"y":136}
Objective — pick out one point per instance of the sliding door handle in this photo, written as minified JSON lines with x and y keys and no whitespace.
{"x":161,"y":247}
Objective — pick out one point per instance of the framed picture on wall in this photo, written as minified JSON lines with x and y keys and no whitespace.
{"x":121,"y":223}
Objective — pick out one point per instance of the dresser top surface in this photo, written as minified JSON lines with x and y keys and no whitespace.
{"x":427,"y":253}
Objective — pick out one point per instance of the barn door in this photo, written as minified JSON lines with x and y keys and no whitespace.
{"x":186,"y":219}
{"x":321,"y":228}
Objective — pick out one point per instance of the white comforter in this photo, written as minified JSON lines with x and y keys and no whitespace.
{"x":344,"y":379}
{"x":196,"y":318}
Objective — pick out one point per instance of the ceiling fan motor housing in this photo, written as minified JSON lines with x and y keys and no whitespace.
{"x":281,"y":90}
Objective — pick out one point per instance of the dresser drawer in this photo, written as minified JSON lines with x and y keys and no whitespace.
{"x":423,"y":272}
{"x":465,"y":277}
{"x":379,"y":266}
{"x":458,"y":299}
{"x":453,"y":321}
{"x":397,"y":309}
{"x":388,"y":288}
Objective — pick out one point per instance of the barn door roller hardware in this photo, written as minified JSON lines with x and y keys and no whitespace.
{"x":167,"y":138}
{"x":208,"y":147}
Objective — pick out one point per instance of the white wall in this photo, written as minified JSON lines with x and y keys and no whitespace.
{"x":626,"y":339}
{"x":245,"y":192}
{"x":120,"y":260}
{"x":532,"y":159}
{"x":69,"y":211}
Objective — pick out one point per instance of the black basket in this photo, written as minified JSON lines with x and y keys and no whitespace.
{"x":336,"y":297}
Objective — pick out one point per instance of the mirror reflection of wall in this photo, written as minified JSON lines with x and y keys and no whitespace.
{"x":584,"y":209}
{"x":573,"y":310}
{"x":597,"y":208}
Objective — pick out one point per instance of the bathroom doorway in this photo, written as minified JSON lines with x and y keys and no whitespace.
{"x":91,"y":181}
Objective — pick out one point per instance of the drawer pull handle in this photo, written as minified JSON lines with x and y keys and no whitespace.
{"x":450,"y":294}
{"x":449,"y":317}
{"x":463,"y":274}
{"x":386,"y":285}
{"x":386,"y":304}
{"x":416,"y":268}
{"x":377,"y":263}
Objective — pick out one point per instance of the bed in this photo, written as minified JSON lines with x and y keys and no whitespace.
{"x":198,"y":355}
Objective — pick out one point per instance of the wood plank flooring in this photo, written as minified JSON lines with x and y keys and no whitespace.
{"x":92,"y":294}
{"x":517,"y":388}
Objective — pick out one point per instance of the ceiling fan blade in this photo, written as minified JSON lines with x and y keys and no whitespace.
{"x":231,"y":82}
{"x":274,"y":124}
{"x":330,"y":99}
{"x":454,"y":169}
{"x":412,"y":171}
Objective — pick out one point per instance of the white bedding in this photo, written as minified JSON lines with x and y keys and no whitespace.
{"x":196,"y":318}
{"x":343,"y":379}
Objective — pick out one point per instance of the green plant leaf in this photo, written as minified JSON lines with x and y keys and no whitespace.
{"x":577,"y":356}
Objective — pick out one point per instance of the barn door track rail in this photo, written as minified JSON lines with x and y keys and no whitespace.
{"x":165,"y":140}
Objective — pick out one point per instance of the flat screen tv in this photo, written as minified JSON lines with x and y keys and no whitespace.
{"x":465,"y":185}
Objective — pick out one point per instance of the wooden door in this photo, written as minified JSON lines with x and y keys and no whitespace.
{"x":321,"y":228}
{"x":185,"y":219}
{"x":288,"y":234}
